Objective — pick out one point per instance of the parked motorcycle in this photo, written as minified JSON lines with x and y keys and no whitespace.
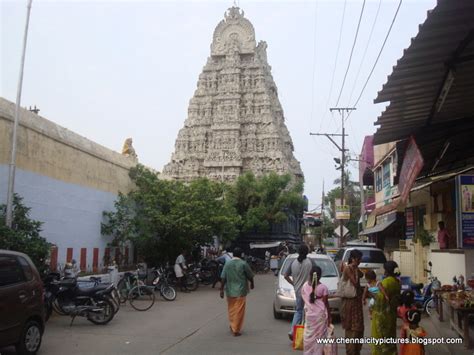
{"x":66,"y":297}
{"x":191,"y":281}
{"x":424,"y":299}
{"x":258,"y":266}
{"x":162,"y":284}
{"x":208,"y":271}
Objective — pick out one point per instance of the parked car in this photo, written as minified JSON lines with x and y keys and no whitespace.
{"x":21,"y":303}
{"x":285,"y":299}
{"x":332,"y":252}
{"x":372,"y":258}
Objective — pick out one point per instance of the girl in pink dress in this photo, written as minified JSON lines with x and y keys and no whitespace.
{"x":318,"y":317}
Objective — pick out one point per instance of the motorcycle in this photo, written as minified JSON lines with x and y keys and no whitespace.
{"x":66,"y":297}
{"x":161,"y":283}
{"x":424,"y":299}
{"x":208,"y":271}
{"x":191,"y":282}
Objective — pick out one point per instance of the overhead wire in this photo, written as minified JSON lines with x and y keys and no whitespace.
{"x":315,"y":140}
{"x":352,"y":52}
{"x":365,"y":52}
{"x":378,"y":56}
{"x":314,"y":59}
{"x":335,"y":65}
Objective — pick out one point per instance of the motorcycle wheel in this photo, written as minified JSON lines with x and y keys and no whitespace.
{"x":429,"y":306}
{"x":48,"y":307}
{"x":57,"y":308}
{"x":114,"y":297}
{"x":191,"y":283}
{"x":105,"y":316}
{"x":168,"y":292}
{"x":206,"y":277}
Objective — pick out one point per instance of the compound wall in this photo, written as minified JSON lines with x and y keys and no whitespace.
{"x":67,"y":180}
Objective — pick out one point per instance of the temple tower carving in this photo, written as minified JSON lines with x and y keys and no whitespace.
{"x":235,"y":120}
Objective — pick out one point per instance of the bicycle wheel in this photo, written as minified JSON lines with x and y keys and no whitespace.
{"x":141,"y":298}
{"x":123,"y":291}
{"x":168,"y":292}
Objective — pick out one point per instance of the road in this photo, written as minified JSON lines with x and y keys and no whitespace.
{"x":196,"y":323}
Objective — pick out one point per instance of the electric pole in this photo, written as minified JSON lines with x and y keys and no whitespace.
{"x":322,"y":219}
{"x":343,"y":150}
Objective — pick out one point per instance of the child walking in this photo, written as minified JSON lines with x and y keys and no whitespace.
{"x":407,"y":299}
{"x":413,"y":332}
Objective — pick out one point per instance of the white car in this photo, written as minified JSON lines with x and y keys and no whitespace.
{"x":285,"y":299}
{"x":372,"y":259}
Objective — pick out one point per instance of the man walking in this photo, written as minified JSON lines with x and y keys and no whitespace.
{"x":297,"y":275}
{"x":179,"y":270}
{"x":236,"y":277}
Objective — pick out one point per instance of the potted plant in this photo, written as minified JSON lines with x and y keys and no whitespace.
{"x":424,"y":237}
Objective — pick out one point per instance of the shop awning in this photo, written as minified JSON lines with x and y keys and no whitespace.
{"x":264,"y":245}
{"x":431,"y":89}
{"x":378,"y":228}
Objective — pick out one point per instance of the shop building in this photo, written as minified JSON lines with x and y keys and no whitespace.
{"x":424,"y":156}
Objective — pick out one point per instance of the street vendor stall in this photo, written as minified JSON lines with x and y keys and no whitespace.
{"x":460,"y":306}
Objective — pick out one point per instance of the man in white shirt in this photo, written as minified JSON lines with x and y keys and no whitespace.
{"x":180,"y":268}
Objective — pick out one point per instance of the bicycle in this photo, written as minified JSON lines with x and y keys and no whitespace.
{"x":132,"y":288}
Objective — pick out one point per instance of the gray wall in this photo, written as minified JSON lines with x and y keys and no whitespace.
{"x":71,"y":213}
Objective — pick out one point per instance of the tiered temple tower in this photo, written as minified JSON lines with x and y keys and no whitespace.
{"x":235,"y":120}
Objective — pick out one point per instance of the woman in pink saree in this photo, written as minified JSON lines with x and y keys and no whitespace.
{"x":318,"y":317}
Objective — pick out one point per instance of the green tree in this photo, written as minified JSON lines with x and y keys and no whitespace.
{"x":24,"y":236}
{"x":265,"y":201}
{"x":161,"y":217}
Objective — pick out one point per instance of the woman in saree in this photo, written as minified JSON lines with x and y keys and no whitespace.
{"x":352,"y":312}
{"x":384,"y":313}
{"x":318,"y":317}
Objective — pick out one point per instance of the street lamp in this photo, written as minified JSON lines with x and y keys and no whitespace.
{"x":12,"y":166}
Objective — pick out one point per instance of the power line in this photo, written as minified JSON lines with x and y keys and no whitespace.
{"x":352,"y":52}
{"x":365,"y":51}
{"x":314,"y":59}
{"x":335,"y":64}
{"x":378,"y":56}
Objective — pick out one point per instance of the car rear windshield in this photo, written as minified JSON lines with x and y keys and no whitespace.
{"x":372,"y":256}
{"x":328,"y":268}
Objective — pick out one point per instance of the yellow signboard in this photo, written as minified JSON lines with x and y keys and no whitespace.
{"x":343,"y":212}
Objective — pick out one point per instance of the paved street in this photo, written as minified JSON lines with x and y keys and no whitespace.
{"x":195,"y":323}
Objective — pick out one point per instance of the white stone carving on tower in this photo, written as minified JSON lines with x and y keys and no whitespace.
{"x":235,"y":120}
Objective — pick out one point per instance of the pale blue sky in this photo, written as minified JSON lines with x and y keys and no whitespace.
{"x":109,"y":70}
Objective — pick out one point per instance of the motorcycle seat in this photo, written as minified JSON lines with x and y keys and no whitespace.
{"x":417,"y":287}
{"x":87,"y":291}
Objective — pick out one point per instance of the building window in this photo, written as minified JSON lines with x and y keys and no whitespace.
{"x":378,"y":180}
{"x":386,"y":174}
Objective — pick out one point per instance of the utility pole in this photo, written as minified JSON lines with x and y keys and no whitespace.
{"x":12,"y":166}
{"x":322,"y":218}
{"x":343,"y":150}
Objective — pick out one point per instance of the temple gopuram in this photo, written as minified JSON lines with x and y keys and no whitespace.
{"x":235,"y":120}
